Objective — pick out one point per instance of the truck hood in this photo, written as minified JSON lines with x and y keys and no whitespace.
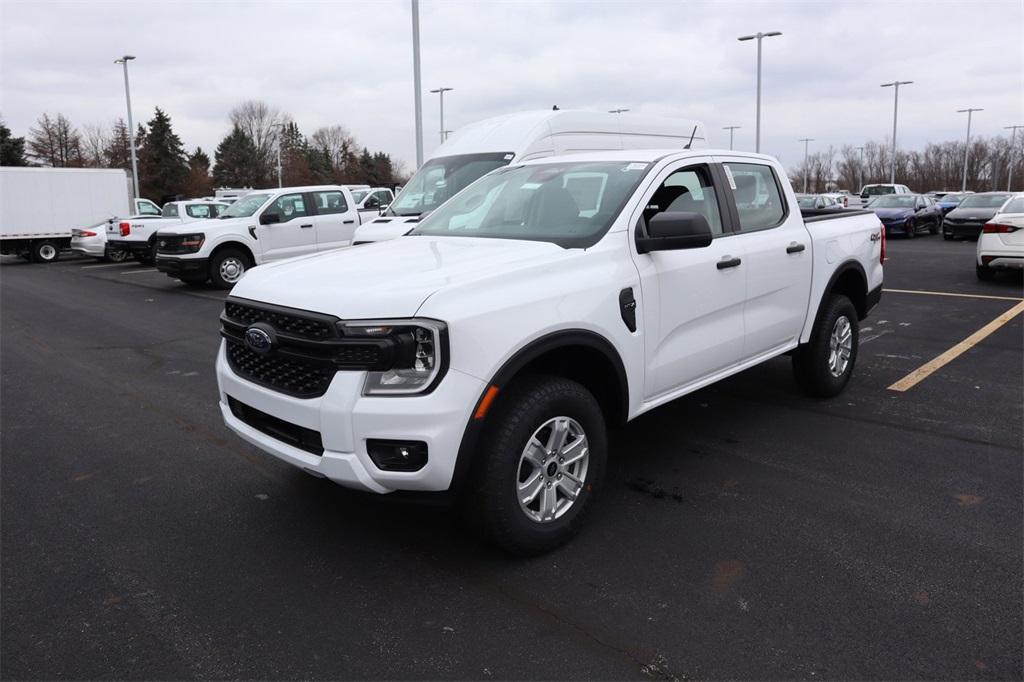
{"x":382,"y":229}
{"x":208,"y":226}
{"x":388,"y":279}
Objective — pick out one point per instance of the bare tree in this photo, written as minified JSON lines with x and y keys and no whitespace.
{"x":95,"y":139}
{"x":257,"y":121}
{"x":336,"y":142}
{"x":55,"y":142}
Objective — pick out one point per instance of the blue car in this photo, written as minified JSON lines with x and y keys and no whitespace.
{"x":951,"y":200}
{"x":908,"y":214}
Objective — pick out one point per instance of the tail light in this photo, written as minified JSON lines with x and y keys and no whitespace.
{"x":998,"y":228}
{"x":125,"y":229}
{"x":86,"y":233}
{"x":881,"y":252}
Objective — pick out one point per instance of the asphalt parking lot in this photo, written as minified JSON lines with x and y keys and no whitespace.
{"x":746,"y":531}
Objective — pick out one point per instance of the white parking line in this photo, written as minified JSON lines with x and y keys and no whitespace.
{"x":105,"y":265}
{"x":139,"y":272}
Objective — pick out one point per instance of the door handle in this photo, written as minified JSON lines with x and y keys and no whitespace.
{"x":348,"y":222}
{"x":727,"y":263}
{"x":795,"y":248}
{"x":309,"y":225}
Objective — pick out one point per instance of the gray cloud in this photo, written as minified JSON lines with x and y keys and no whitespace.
{"x":350,"y":63}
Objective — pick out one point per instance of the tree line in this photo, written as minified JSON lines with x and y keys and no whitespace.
{"x":939,"y":166}
{"x":246,"y":157}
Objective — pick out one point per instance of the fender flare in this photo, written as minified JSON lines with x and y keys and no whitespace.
{"x":842,"y":269}
{"x":513,"y":365}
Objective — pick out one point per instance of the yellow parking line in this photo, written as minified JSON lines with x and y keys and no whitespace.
{"x":925,"y":370}
{"x":948,"y":293}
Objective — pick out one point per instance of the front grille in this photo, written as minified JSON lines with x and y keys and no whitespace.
{"x":294,"y":376}
{"x":303,"y":326}
{"x":286,"y":432}
{"x":171,"y":245}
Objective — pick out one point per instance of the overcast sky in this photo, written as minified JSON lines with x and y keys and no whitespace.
{"x":351,"y":63}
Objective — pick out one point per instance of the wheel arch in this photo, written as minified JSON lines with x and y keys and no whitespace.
{"x":231,"y":243}
{"x":850,"y":280}
{"x":578,"y":354}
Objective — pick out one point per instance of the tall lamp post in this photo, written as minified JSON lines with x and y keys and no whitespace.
{"x":1009,"y":164}
{"x":731,"y":129}
{"x":967,"y":146}
{"x":277,"y":134}
{"x":895,"y":108}
{"x":131,"y":125}
{"x":759,"y":36}
{"x":416,"y":85}
{"x":441,"y":91}
{"x":860,"y":167}
{"x":806,"y":141}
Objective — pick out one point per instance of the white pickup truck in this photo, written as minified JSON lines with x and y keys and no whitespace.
{"x":137,"y":235}
{"x":488,"y":351}
{"x":260,"y":227}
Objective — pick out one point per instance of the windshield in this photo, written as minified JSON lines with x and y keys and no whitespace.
{"x":358,"y":194}
{"x":245,"y":207}
{"x":570,"y":204}
{"x":440,"y":179}
{"x":170,"y":211}
{"x":895,"y":201}
{"x":1014,"y":206}
{"x":984,"y":201}
{"x":875,"y":190}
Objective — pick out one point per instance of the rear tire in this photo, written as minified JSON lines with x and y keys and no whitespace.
{"x":116,"y":255}
{"x":529,"y":493}
{"x":936,"y":226}
{"x":45,"y":251}
{"x":227,"y":267}
{"x":984,"y":273}
{"x":824,"y":365}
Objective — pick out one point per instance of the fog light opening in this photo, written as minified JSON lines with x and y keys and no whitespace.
{"x":397,"y":455}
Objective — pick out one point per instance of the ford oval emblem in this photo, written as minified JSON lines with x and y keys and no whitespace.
{"x":259,"y":339}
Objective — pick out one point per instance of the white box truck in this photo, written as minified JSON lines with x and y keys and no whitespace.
{"x":40,"y":206}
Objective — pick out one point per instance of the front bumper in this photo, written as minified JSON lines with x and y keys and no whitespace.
{"x":895,"y":227}
{"x":182,"y":267}
{"x":345,"y":419}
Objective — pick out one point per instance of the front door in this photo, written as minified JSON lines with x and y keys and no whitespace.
{"x":295,"y":232}
{"x":692,"y":298}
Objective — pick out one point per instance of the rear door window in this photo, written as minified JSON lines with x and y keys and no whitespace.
{"x":330,"y":202}
{"x":755,"y":191}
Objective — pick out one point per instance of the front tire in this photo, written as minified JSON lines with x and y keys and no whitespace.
{"x":911,"y":229}
{"x":824,"y":366}
{"x":541,"y":462}
{"x":936,"y":226}
{"x":227,"y":267}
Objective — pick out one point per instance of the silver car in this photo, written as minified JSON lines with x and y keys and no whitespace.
{"x":92,"y":241}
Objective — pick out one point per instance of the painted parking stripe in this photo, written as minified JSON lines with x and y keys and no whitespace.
{"x":106,"y":265}
{"x":951,"y":293}
{"x":930,"y":367}
{"x":139,"y":272}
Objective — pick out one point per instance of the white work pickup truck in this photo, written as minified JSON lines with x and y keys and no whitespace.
{"x":260,"y":227}
{"x":488,"y":351}
{"x":137,"y":235}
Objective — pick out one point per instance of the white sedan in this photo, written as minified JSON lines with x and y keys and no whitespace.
{"x":92,"y":241}
{"x":1001,"y":244}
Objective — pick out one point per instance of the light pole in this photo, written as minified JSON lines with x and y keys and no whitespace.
{"x":806,"y":141}
{"x":731,"y":129}
{"x":131,"y":126}
{"x":895,"y":107}
{"x":416,"y":85}
{"x":759,"y":36}
{"x":617,"y":111}
{"x":278,"y":126}
{"x":441,"y":91}
{"x":967,"y":146}
{"x":1009,"y":164}
{"x":860,"y":168}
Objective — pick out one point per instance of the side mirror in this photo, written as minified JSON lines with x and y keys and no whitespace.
{"x":269,"y":219}
{"x":670,"y":231}
{"x":371,"y":202}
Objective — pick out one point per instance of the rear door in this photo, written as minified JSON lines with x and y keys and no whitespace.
{"x":692,"y":298}
{"x":336,"y":219}
{"x":295,"y":232}
{"x":777,"y":248}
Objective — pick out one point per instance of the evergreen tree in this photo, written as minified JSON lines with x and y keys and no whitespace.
{"x":12,"y":149}
{"x":118,"y":152}
{"x":236,"y":161}
{"x":367,"y":172}
{"x":199,"y":183}
{"x":163,"y":169}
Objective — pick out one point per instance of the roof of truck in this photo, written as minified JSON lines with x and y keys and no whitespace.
{"x":643,"y":155}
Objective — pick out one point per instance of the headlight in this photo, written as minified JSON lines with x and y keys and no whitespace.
{"x":190,"y":243}
{"x":421,"y":354}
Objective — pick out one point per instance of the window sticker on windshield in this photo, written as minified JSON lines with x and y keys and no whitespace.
{"x":728,"y":174}
{"x":530,"y":185}
{"x":634,"y":167}
{"x":509,"y":157}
